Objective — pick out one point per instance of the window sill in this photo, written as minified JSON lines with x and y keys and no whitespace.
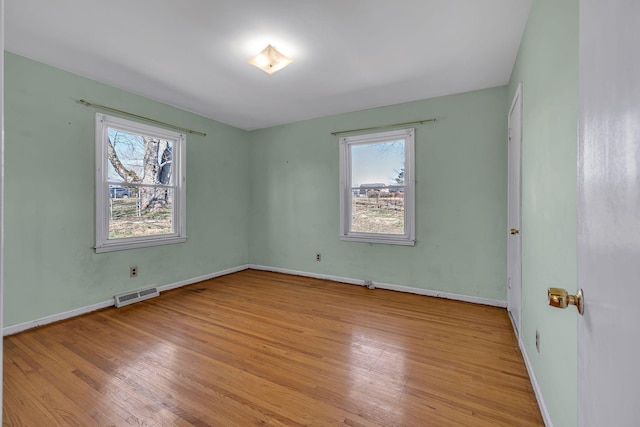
{"x":134,"y":244}
{"x":378,"y":239}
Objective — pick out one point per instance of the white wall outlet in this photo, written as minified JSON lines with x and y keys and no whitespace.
{"x":133,"y":271}
{"x":318,"y":257}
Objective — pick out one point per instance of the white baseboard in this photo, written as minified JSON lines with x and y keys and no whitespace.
{"x":408,"y":289}
{"x":536,"y":387}
{"x":14,"y":329}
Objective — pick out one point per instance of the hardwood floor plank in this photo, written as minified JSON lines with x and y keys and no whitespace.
{"x":259,"y":348}
{"x":87,"y":393}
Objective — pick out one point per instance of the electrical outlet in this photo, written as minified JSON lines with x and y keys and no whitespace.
{"x":318,"y":257}
{"x":133,"y":271}
{"x":538,"y":340}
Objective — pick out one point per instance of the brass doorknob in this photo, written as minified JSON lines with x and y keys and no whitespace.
{"x":514,"y":231}
{"x":560,"y":298}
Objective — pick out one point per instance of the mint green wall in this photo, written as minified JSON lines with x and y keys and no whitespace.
{"x":50,"y":266}
{"x":547,"y":66}
{"x":460,"y":197}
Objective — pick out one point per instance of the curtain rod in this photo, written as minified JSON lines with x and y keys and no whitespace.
{"x":104,"y":107}
{"x":384,"y":126}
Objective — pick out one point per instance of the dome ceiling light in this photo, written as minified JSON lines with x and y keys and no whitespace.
{"x":270,"y":60}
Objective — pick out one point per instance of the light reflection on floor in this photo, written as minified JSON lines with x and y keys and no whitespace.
{"x":155,"y":365}
{"x":375,"y":358}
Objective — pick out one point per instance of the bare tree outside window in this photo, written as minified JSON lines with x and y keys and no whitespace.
{"x":140,"y":185}
{"x":142,"y":165}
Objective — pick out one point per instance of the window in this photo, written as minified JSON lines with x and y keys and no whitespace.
{"x":140,"y":185}
{"x":377,"y":188}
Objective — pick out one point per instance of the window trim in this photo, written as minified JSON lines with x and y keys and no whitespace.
{"x":102,"y":242}
{"x":346,"y":194}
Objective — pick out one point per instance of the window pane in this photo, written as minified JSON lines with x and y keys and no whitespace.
{"x":379,"y":163}
{"x":377,"y":181}
{"x":129,"y":218}
{"x":138,"y":158}
{"x":378,"y":212}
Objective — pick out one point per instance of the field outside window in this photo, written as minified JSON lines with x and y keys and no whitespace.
{"x":377,"y":183}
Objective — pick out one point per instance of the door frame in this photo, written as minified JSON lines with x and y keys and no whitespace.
{"x":1,"y":189}
{"x":514,"y":297}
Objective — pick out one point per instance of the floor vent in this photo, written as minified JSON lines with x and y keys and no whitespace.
{"x":135,"y":296}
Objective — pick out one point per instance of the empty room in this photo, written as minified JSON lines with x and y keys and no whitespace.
{"x":319,"y":213}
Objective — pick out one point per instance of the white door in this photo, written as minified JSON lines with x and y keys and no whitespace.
{"x":514,"y":253}
{"x":609,"y":214}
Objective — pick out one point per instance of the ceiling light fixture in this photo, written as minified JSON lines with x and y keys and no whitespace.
{"x":270,"y":60}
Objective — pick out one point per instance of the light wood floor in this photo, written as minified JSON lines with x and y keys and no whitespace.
{"x":257,"y":348}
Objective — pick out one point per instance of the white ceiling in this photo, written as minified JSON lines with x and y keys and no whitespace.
{"x":348,"y":55}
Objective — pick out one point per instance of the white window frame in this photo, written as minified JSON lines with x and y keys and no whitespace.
{"x":346,"y":188}
{"x":178,"y":153}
